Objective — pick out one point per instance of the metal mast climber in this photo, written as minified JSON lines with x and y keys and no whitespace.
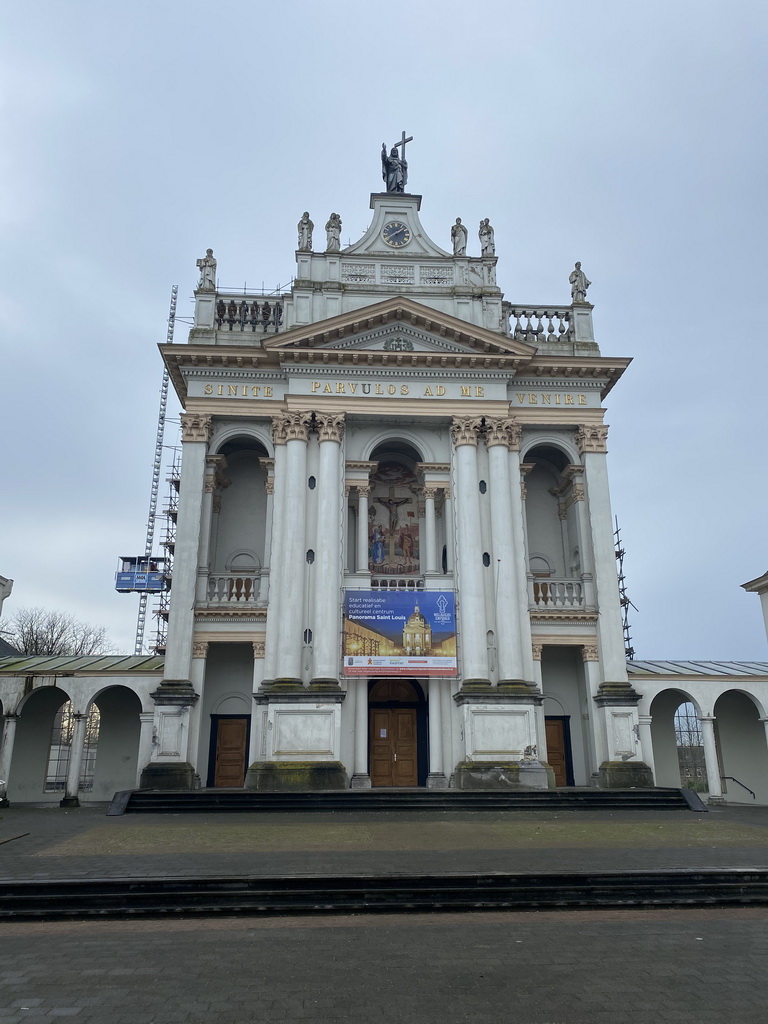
{"x":623,"y":599}
{"x":156,"y":470}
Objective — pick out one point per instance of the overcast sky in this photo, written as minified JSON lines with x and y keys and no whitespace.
{"x":630,"y":136}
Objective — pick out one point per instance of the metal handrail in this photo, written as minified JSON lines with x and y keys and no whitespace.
{"x":730,"y":778}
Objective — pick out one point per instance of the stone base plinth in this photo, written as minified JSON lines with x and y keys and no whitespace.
{"x":504,"y":775}
{"x":69,"y":801}
{"x":168,"y":776}
{"x":436,"y":780}
{"x":296,"y":776}
{"x":625,"y":775}
{"x":360,"y":782}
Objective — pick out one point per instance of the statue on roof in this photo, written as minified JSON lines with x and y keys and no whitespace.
{"x":487,"y":244}
{"x":305,"y":227}
{"x":459,"y":238}
{"x":579,"y":284}
{"x":394,"y":168}
{"x":333,"y":233}
{"x":207,"y":266}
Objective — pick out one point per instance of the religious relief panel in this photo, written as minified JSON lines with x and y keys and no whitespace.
{"x":393,"y":527}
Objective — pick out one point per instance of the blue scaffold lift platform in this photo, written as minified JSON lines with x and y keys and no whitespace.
{"x":141,"y":574}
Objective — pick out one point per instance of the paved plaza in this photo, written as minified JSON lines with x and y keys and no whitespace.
{"x":574,"y":967}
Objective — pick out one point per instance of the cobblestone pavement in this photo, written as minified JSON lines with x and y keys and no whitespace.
{"x":588,"y":967}
{"x":49,"y":842}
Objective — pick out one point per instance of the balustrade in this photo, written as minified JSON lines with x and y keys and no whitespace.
{"x":397,"y":583}
{"x":540,"y":325}
{"x":240,"y":313}
{"x":240,"y":590}
{"x":549,"y":593}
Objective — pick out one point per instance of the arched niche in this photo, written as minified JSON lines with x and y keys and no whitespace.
{"x":393,"y":510}
{"x":741,"y":741}
{"x":553,"y":540}
{"x":678,"y":751}
{"x":240,"y":509}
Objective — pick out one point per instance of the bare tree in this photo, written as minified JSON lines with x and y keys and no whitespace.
{"x":35,"y":631}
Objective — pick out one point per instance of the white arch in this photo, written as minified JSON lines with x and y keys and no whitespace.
{"x":392,"y":434}
{"x":559,"y":441}
{"x":256,"y":431}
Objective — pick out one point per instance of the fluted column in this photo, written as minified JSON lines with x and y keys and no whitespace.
{"x":195,"y":434}
{"x":274,"y":543}
{"x":214,"y":466}
{"x":450,"y":536}
{"x":197,"y":676}
{"x":363,"y":493}
{"x":327,"y":606}
{"x":71,"y":798}
{"x":269,"y":487}
{"x":292,"y":565}
{"x":430,"y":530}
{"x":361,"y":778}
{"x":436,"y":778}
{"x":10,"y":722}
{"x":509,"y":644}
{"x":517,"y":473}
{"x":470,"y":553}
{"x":258,"y":678}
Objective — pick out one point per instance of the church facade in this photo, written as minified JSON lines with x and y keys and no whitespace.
{"x":394,"y":559}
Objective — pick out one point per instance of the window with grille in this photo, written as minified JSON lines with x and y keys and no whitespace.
{"x":61,"y":750}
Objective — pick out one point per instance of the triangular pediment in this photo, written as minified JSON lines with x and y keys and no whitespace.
{"x":399,"y":325}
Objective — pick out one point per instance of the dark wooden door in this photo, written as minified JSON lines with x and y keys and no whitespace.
{"x":556,"y":749}
{"x":393,"y":747}
{"x":231,"y":751}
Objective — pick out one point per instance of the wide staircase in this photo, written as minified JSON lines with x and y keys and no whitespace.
{"x":239,"y":800}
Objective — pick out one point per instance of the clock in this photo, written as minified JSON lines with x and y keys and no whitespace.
{"x":396,"y":234}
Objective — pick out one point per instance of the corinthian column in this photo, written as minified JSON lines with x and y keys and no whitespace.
{"x":195,"y":434}
{"x":469,"y":553}
{"x":363,"y":493}
{"x":274,"y":542}
{"x":269,"y":486}
{"x":509,"y":642}
{"x":327,"y":611}
{"x":430,"y":531}
{"x":214,"y":479}
{"x":293,"y":561}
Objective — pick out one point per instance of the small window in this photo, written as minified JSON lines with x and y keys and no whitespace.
{"x":312,"y":483}
{"x":310,"y":556}
{"x":486,"y":559}
{"x":483,"y":486}
{"x":307,"y":636}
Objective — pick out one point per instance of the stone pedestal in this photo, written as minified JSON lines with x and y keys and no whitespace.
{"x":296,"y":776}
{"x":159,"y":775}
{"x":504,"y":775}
{"x":625,"y":775}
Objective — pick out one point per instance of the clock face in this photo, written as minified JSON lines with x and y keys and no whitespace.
{"x":396,"y":234}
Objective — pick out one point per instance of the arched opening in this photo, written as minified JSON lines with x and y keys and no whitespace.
{"x":29,"y":769}
{"x":115,"y":750}
{"x":226,"y":710}
{"x":393,"y":512}
{"x":565,"y":696}
{"x":678,"y":748}
{"x":742,"y":749}
{"x":398,"y":753}
{"x":238,"y":524}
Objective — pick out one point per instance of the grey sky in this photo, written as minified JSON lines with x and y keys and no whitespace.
{"x":629,"y":136}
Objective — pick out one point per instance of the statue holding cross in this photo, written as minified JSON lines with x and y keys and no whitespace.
{"x":394,"y":168}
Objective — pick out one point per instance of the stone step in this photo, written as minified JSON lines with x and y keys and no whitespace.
{"x":377,"y":800}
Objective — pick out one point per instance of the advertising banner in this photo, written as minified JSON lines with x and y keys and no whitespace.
{"x":399,"y":633}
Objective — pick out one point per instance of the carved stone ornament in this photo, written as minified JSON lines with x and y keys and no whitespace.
{"x":216,"y":507}
{"x":291,"y":426}
{"x":195,"y":427}
{"x":269,"y":485}
{"x":363,"y":489}
{"x":398,"y":345}
{"x":592,"y":439}
{"x":536,"y":650}
{"x":259,"y":648}
{"x":199,"y":649}
{"x":464,"y":430}
{"x":330,"y":428}
{"x":497,"y":432}
{"x":589,"y":653}
{"x":429,"y":492}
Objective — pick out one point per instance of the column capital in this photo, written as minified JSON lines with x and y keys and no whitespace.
{"x":195,"y":427}
{"x":505,"y":432}
{"x":429,"y":492}
{"x":291,"y":426}
{"x":329,"y":427}
{"x":259,"y":648}
{"x":464,"y":430}
{"x":269,"y":484}
{"x":589,"y":652}
{"x":536,"y":650}
{"x":199,"y":649}
{"x":592,"y":439}
{"x":363,"y":489}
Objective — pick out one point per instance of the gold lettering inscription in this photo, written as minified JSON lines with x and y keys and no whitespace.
{"x":391,"y":389}
{"x":569,"y":399}
{"x":315,"y":386}
{"x":220,"y":390}
{"x":327,"y":389}
{"x":403,"y":389}
{"x":255,"y":390}
{"x":439,"y":390}
{"x":532,"y":400}
{"x":428,"y":391}
{"x":520,"y":398}
{"x":209,"y":389}
{"x":231,"y":389}
{"x":557,"y":399}
{"x":379,"y":389}
{"x":352,"y":388}
{"x":479,"y":392}
{"x":546,"y":399}
{"x":464,"y":392}
{"x":582,"y":399}
{"x":340,"y":388}
{"x":267,"y":392}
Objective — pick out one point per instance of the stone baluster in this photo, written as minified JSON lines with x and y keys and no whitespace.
{"x":71,"y":798}
{"x":292,"y":568}
{"x":274,"y":542}
{"x":363,"y":493}
{"x":470,"y":553}
{"x":269,"y":487}
{"x":326,"y":613}
{"x":10,"y":721}
{"x":714,"y":785}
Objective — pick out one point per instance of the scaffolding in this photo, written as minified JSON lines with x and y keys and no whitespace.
{"x":623,"y":598}
{"x":170,"y":514}
{"x":157,"y":466}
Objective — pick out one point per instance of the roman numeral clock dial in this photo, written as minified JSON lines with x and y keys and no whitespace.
{"x":396,"y":234}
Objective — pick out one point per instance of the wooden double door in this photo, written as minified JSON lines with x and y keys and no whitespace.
{"x":229,"y":750}
{"x":394,"y":747}
{"x":559,"y":749}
